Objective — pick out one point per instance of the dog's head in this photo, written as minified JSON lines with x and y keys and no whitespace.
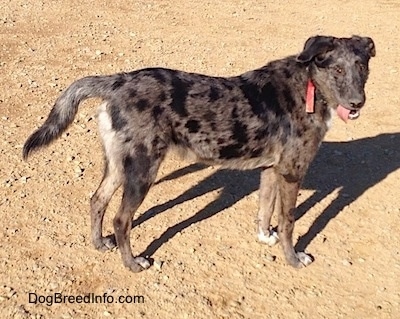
{"x":339,"y":68}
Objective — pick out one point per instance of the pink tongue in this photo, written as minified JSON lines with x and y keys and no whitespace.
{"x":343,"y":113}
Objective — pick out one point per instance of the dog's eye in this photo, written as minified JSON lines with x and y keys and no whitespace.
{"x":362,"y":67}
{"x":319,"y":58}
{"x":339,"y":70}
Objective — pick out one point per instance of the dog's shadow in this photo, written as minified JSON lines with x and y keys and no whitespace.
{"x":349,"y":167}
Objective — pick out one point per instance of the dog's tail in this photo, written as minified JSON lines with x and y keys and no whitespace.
{"x":66,"y":107}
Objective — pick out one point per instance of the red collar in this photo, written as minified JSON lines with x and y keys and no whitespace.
{"x":310,"y":97}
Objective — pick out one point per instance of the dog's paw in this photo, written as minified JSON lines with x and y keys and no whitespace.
{"x":272,"y":238}
{"x":105,"y":243}
{"x":300,"y":260}
{"x":304,"y":258}
{"x":137,"y":264}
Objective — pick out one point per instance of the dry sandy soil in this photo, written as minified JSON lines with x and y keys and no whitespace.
{"x":197,"y":220}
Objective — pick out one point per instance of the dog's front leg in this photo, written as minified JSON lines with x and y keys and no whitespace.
{"x":288,"y":190}
{"x":269,"y":203}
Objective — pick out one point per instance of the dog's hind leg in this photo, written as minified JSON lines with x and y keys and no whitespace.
{"x":288,"y":195}
{"x":269,"y":203}
{"x":140,"y":170}
{"x":111,"y":182}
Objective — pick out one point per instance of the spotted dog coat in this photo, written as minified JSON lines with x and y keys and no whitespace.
{"x":254,"y":120}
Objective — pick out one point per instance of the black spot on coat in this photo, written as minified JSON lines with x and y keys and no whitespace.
{"x":162,"y":97}
{"x":159,"y":76}
{"x":143,"y":104}
{"x":117,"y":120}
{"x":214,"y":94}
{"x":262,"y":99}
{"x":287,"y":73}
{"x":290,"y":103}
{"x":157,"y":111}
{"x":269,"y":95}
{"x":193,"y":126}
{"x":136,"y":184}
{"x":256,"y":153}
{"x":139,"y":164}
{"x":179,"y":95}
{"x":119,"y":81}
{"x":209,"y":116}
{"x":132,"y":92}
{"x":240,"y":132}
{"x":231,"y":151}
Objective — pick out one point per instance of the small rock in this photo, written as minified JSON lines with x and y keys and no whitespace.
{"x":7,"y":292}
{"x":322,"y":237}
{"x":235,"y":303}
{"x":78,"y":169}
{"x":53,"y":286}
{"x":110,"y":291}
{"x":158,"y":264}
{"x":107,"y":313}
{"x":35,"y":267}
{"x":270,"y":257}
{"x":346,"y":262}
{"x":61,"y":243}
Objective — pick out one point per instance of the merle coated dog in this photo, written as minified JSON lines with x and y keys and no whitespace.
{"x":273,"y":118}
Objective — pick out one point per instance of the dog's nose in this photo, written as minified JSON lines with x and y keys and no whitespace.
{"x":357,"y":102}
{"x":356,"y":105}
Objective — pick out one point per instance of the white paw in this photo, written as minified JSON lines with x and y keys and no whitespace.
{"x":304,"y":258}
{"x":143,"y":262}
{"x":271,"y":239}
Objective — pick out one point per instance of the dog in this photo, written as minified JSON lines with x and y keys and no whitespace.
{"x":273,"y":118}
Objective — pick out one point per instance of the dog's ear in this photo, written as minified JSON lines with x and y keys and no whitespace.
{"x":315,"y":47}
{"x":367,"y":44}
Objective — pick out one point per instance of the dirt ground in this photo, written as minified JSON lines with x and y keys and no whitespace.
{"x":198,"y":222}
